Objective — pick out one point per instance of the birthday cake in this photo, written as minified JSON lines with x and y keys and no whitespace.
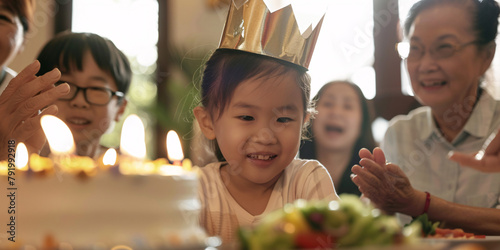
{"x":100,"y":211}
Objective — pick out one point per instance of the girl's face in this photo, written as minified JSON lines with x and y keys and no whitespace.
{"x":259,"y":131}
{"x":88,"y":121}
{"x":448,"y":71}
{"x":337,"y":124}
{"x":11,"y":35}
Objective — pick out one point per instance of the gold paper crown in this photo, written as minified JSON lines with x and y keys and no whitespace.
{"x":281,"y":29}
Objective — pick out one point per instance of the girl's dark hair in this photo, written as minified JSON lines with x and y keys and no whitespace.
{"x":365,"y":140}
{"x":227,"y":69}
{"x":66,"y":51}
{"x":484,"y":14}
{"x":24,"y":9}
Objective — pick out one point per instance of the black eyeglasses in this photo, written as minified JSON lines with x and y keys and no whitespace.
{"x":439,"y":50}
{"x":94,"y":95}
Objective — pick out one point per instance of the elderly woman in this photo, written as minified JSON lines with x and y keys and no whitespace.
{"x":452,"y":44}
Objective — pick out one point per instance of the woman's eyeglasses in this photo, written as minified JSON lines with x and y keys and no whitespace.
{"x":94,"y":95}
{"x":439,"y":50}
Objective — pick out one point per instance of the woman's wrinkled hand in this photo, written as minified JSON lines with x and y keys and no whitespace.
{"x":20,"y":106}
{"x":384,"y":184}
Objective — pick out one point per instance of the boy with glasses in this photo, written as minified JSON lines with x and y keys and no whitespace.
{"x":98,"y":75}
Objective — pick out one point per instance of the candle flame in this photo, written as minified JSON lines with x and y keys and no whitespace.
{"x":109,"y":158}
{"x":22,"y":157}
{"x":403,"y":49}
{"x":58,"y":135}
{"x":174,"y":147}
{"x":133,"y":138}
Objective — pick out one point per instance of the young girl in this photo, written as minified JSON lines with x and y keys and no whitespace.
{"x":338,"y":131}
{"x":254,"y":108}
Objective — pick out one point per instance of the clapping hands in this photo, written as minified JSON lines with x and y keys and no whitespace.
{"x":384,"y":184}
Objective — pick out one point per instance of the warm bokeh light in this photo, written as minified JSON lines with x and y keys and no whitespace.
{"x":58,"y":135}
{"x":403,"y":49}
{"x":22,"y":157}
{"x":169,"y":170}
{"x":187,"y":164}
{"x":174,"y":148}
{"x":110,"y":157}
{"x":133,"y":139}
{"x":4,"y":168}
{"x":39,"y":163}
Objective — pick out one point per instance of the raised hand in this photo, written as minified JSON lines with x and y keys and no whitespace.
{"x":24,"y":101}
{"x":487,"y":160}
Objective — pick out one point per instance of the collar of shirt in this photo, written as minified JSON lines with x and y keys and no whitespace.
{"x":477,"y":125}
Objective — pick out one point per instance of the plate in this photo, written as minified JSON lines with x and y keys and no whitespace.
{"x":489,"y":242}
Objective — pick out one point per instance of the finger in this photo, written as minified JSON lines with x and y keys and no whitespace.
{"x":494,"y":146}
{"x":36,"y":141}
{"x":365,"y":153}
{"x":26,"y":75}
{"x":491,"y":164}
{"x":370,"y":192}
{"x":356,"y":168}
{"x":363,"y":186}
{"x":31,"y":126}
{"x":394,"y":170}
{"x":365,"y":178}
{"x":374,"y":168}
{"x":30,"y":107}
{"x":488,"y":164}
{"x":37,"y":85}
{"x":379,"y":156}
{"x":466,"y":159}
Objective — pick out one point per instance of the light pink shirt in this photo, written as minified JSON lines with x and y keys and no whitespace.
{"x":221,"y":215}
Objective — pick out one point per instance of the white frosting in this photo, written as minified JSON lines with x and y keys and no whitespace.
{"x":105,"y":210}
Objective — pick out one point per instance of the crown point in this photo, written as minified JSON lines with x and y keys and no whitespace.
{"x":257,"y":26}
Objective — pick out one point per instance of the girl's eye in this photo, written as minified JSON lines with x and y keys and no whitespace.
{"x":327,"y":104}
{"x":246,"y":118}
{"x":284,"y":119}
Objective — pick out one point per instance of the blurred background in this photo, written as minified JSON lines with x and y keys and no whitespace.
{"x":167,"y":42}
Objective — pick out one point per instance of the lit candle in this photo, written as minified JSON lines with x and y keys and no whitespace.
{"x":62,"y":146}
{"x":109,"y":158}
{"x":58,"y":135}
{"x":60,"y":140}
{"x":133,"y":147}
{"x":22,"y":157}
{"x":175,"y":155}
{"x":174,"y":148}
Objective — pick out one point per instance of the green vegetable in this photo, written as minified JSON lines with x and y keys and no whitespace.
{"x":428,"y":227}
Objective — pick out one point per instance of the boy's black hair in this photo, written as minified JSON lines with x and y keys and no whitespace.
{"x":66,"y":51}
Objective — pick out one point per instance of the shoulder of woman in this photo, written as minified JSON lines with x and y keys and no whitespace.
{"x":412,"y":117}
